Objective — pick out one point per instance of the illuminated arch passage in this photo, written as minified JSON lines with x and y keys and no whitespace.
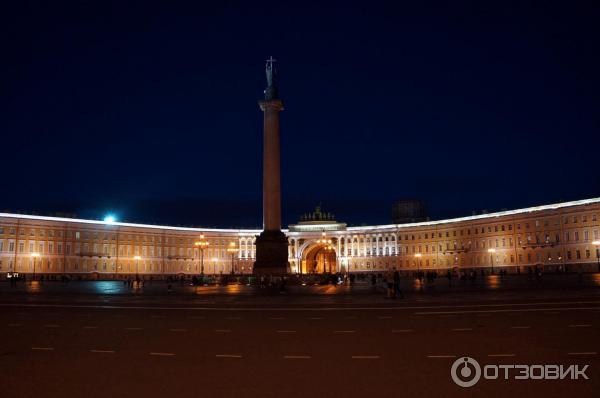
{"x":319,"y":258}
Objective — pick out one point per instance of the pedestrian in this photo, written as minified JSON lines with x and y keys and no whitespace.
{"x":282,"y":285}
{"x":389,"y":281}
{"x":397,"y":289}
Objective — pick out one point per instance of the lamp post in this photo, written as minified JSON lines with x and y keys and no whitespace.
{"x":418,"y":257}
{"x":597,"y":244}
{"x":492,"y":251}
{"x":137,"y":264}
{"x":232,"y":249}
{"x":35,"y":256}
{"x":202,"y":244}
{"x":328,"y":248}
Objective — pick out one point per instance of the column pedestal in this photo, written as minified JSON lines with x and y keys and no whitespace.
{"x":271,"y":254}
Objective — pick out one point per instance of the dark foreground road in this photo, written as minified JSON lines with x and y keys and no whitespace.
{"x":61,"y":344}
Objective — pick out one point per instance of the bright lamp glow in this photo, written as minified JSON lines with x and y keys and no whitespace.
{"x":110,"y":219}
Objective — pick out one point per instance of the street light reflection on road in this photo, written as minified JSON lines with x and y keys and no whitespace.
{"x":493,"y":282}
{"x":108,"y":287}
{"x":34,"y":287}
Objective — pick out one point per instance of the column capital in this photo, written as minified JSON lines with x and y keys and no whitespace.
{"x":274,"y":104}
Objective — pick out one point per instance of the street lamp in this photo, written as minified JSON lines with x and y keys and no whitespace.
{"x":137,"y":264}
{"x":328,"y":248}
{"x":232,"y":249}
{"x":35,"y":256}
{"x":492,"y":251}
{"x":597,"y":244}
{"x":324,"y":239}
{"x":418,"y":256}
{"x":202,"y":244}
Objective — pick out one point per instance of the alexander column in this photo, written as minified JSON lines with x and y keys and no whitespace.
{"x":271,"y":244}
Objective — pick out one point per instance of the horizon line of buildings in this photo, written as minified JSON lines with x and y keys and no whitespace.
{"x":562,"y":236}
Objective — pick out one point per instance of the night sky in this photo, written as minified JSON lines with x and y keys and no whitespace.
{"x":150,"y":110}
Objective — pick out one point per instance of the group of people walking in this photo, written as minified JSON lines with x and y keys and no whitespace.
{"x":393,"y":285}
{"x":137,"y":282}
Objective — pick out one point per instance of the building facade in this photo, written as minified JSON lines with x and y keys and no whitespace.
{"x":557,"y":237}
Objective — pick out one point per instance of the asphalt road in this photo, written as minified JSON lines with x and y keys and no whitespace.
{"x":75,"y":342}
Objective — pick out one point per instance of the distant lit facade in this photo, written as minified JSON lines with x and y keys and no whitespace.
{"x":553,"y":237}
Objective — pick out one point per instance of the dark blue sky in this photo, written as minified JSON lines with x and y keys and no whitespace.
{"x":151,"y":110}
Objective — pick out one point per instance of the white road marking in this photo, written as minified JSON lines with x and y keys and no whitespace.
{"x":579,"y":326}
{"x":402,"y":330}
{"x":520,"y":327}
{"x":285,"y":331}
{"x":441,"y":356}
{"x":583,"y":353}
{"x":329,"y":309}
{"x":162,"y":354}
{"x":501,"y":355}
{"x":178,"y":330}
{"x":43,"y":348}
{"x":297,"y":356}
{"x":461,"y":329}
{"x":505,"y":310}
{"x":345,"y":331}
{"x":365,"y":357}
{"x":103,"y":351}
{"x":222,"y":331}
{"x":228,"y":356}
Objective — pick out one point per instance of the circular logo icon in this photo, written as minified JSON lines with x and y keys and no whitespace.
{"x":465,"y":372}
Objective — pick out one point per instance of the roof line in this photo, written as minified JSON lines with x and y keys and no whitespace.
{"x":482,"y":216}
{"x":125,"y":224}
{"x":256,"y":231}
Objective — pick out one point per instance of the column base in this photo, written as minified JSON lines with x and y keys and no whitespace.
{"x":271,"y":254}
